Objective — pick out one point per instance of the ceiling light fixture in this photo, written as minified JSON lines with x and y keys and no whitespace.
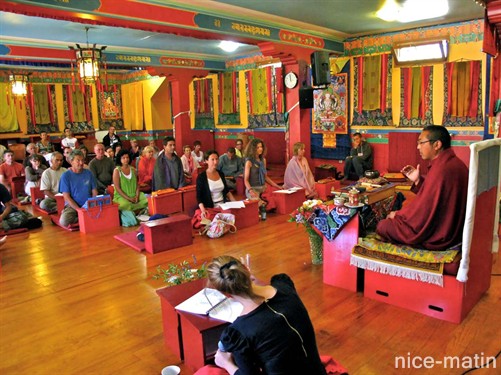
{"x":228,"y":46}
{"x":88,"y":60}
{"x":19,"y":84}
{"x":413,"y":10}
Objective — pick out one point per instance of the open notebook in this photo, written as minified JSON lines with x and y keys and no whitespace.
{"x":213,"y":303}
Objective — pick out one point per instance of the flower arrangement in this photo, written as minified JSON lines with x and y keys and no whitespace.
{"x":305,"y":214}
{"x":175,"y":274}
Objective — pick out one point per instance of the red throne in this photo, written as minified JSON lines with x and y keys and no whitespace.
{"x":458,"y":296}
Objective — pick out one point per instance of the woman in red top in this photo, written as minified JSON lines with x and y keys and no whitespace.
{"x":145,"y":167}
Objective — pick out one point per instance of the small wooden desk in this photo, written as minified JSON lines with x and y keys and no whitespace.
{"x":193,"y":338}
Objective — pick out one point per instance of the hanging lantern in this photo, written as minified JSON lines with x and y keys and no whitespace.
{"x":19,"y":84}
{"x":88,"y":61}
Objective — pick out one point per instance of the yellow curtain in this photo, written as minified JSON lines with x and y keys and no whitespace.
{"x":227,"y":92}
{"x":78,"y":106}
{"x":42,"y":115}
{"x":8,"y":117}
{"x":260,"y":84}
{"x":132,"y":99}
{"x":372,"y":83}
{"x":416,"y":92}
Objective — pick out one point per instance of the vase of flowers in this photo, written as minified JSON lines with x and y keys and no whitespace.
{"x":305,"y":214}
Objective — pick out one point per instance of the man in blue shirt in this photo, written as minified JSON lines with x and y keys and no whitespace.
{"x":77,"y":185}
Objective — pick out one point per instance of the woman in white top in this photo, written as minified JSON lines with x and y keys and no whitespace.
{"x":197,"y":153}
{"x":211,"y":185}
{"x":69,"y":139}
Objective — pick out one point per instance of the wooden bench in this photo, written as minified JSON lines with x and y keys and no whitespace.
{"x":189,"y":198}
{"x":168,"y":233}
{"x":165,"y":204}
{"x":98,"y":218}
{"x":288,"y":202}
{"x":324,"y":188}
{"x":248,"y":216}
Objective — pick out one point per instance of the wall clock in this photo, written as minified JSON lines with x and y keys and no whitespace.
{"x":290,"y":80}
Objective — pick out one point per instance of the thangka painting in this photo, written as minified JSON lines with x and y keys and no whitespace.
{"x":330,"y":110}
{"x":110,"y":108}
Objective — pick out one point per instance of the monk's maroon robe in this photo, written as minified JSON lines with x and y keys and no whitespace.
{"x":434,"y":219}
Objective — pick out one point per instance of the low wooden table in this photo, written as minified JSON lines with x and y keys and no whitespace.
{"x":337,"y":268}
{"x":192,"y":337}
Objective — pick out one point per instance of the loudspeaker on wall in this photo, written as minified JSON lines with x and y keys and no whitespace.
{"x":320,"y":68}
{"x":306,"y":97}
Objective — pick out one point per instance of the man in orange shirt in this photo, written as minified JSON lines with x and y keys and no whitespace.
{"x":10,"y":169}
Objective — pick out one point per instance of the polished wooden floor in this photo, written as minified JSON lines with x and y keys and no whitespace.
{"x":86,"y":304}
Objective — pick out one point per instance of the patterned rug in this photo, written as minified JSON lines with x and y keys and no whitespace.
{"x":402,"y":261}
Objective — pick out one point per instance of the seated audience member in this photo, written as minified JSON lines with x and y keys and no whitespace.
{"x":152,"y":143}
{"x":239,"y":144}
{"x":197,"y":153}
{"x":2,"y":151}
{"x":434,"y":219}
{"x":44,"y":145}
{"x":33,"y":175}
{"x":66,"y":159}
{"x":9,"y":169}
{"x":127,"y":194}
{"x":11,"y":217}
{"x":190,"y":164}
{"x":231,"y":165}
{"x":134,"y":151}
{"x":111,"y":138}
{"x":360,"y":159}
{"x":77,"y":185}
{"x":85,"y":153}
{"x":212,"y":189}
{"x":298,"y":172}
{"x":32,"y":149}
{"x":109,"y":152}
{"x":273,"y":334}
{"x":69,"y":139}
{"x":49,"y":183}
{"x":145,"y":167}
{"x":102,"y":169}
{"x":255,"y":175}
{"x":168,"y":171}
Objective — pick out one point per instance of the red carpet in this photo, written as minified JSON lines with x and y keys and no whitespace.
{"x":131,"y":240}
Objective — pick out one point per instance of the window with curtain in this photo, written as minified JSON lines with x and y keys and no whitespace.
{"x":41,"y":108}
{"x":463,"y":94}
{"x":416,"y":96}
{"x":265,"y":100}
{"x":372,"y":90}
{"x":204,"y":109}
{"x":229,"y":111}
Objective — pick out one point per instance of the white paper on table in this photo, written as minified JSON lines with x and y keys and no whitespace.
{"x":286,"y":191}
{"x":220,"y":307}
{"x":235,"y":204}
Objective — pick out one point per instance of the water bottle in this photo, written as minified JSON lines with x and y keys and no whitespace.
{"x":262,"y":212}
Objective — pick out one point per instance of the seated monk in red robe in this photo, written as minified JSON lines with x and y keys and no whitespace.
{"x":434,"y":219}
